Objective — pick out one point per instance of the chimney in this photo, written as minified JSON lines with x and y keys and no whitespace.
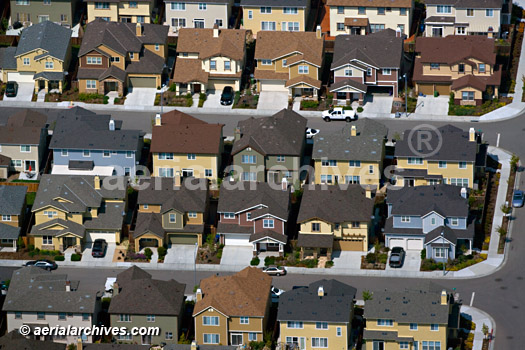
{"x":353,"y":131}
{"x":198,"y":294}
{"x":158,"y":119}
{"x":444,"y":299}
{"x":138,"y":29}
{"x":320,"y":291}
{"x":194,"y":345}
{"x":472,"y":135}
{"x":464,"y":192}
{"x":215,"y":30}
{"x":111,"y":125}
{"x":368,"y":192}
{"x":97,"y":182}
{"x":79,"y":344}
{"x":68,"y":286}
{"x":284,"y":184}
{"x":318,"y":33}
{"x":177,"y":179}
{"x":237,"y":134}
{"x":115,"y":288}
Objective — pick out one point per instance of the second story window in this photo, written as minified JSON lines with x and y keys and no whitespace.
{"x":321,"y":325}
{"x":229,"y":215}
{"x":340,"y":9}
{"x":361,"y":10}
{"x":191,"y":156}
{"x":268,"y":223}
{"x":129,"y":154}
{"x":210,"y":320}
{"x":6,"y":217}
{"x":94,"y":60}
{"x":26,"y":61}
{"x":266,"y":9}
{"x":489,"y":13}
{"x":178,"y":6}
{"x":454,"y":221}
{"x":316,"y":227}
{"x":124,"y":318}
{"x":202,"y":6}
{"x":386,"y":71}
{"x":470,"y":12}
{"x":213,"y":65}
{"x":348,"y":72}
{"x":40,"y":315}
{"x":64,"y":153}
{"x":280,"y":158}
{"x":461,"y":68}
{"x":133,"y":4}
{"x":405,"y":219}
{"x":173,"y":218}
{"x":329,"y":162}
{"x":150,"y":318}
{"x":115,"y":59}
{"x":50,"y":65}
{"x":413,"y":160}
{"x":266,"y":62}
{"x":462,"y":165}
{"x":434,"y":66}
{"x":444,"y":9}
{"x":442,"y":164}
{"x":86,"y":153}
{"x":386,"y":323}
{"x":481,"y":68}
{"x":25,"y":148}
{"x":380,"y":10}
{"x":192,"y":214}
{"x":22,"y":2}
{"x":413,"y":326}
{"x":246,"y":159}
{"x":101,"y":5}
{"x":354,"y":163}
{"x":434,"y":327}
{"x":227,"y":65}
{"x":402,"y":11}
{"x":165,"y":156}
{"x":290,"y":10}
{"x":106,"y":154}
{"x":303,"y":69}
{"x":245,"y":320}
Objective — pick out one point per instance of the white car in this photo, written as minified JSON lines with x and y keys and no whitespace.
{"x":311,"y":132}
{"x":276,"y":291}
{"x":338,"y":113}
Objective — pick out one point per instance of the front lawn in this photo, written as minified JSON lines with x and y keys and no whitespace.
{"x":486,"y":107}
{"x":461,"y":262}
{"x":172,"y":99}
{"x":75,"y":96}
{"x":246,"y":100}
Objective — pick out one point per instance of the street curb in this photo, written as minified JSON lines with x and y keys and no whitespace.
{"x":487,"y":315}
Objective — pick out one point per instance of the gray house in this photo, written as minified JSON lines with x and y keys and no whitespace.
{"x":12,"y":210}
{"x":140,"y":301}
{"x":270,"y":148}
{"x":85,"y":143}
{"x":63,"y":12}
{"x":434,"y":218}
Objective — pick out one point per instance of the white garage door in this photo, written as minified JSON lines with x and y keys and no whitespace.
{"x":397,"y":242}
{"x":273,"y":85}
{"x":415,"y":244}
{"x":21,"y":77}
{"x":108,"y":236}
{"x":218,"y":85}
{"x":231,"y":239}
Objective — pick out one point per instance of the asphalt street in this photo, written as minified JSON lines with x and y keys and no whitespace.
{"x":500,"y":294}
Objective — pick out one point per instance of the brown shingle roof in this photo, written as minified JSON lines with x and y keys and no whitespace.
{"x":371,"y":3}
{"x":273,"y":44}
{"x":247,"y":293}
{"x":305,"y":80}
{"x":356,"y":22}
{"x":230,"y":42}
{"x":23,"y":128}
{"x":455,"y":48}
{"x":478,"y":82}
{"x":188,"y":70}
{"x":182,"y":133}
{"x":265,"y":74}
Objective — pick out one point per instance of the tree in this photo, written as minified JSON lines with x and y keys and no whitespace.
{"x":367,"y":295}
{"x":514,"y":161}
{"x":485,"y":330}
{"x":506,"y":209}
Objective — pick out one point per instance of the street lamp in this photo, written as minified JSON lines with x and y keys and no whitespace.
{"x":162,"y":99}
{"x":195,"y":264}
{"x":406,"y":95}
{"x":443,"y":245}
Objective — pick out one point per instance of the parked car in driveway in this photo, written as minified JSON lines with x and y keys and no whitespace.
{"x":11,"y":89}
{"x":227,"y":96}
{"x":99,"y":248}
{"x":275,"y":270}
{"x":397,"y":257}
{"x":44,"y":264}
{"x":517,"y":199}
{"x":338,"y":113}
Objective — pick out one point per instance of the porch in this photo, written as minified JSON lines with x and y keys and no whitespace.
{"x":314,"y":246}
{"x":69,"y":241}
{"x":111,"y":85}
{"x":268,"y":242}
{"x":148,"y":240}
{"x":348,"y":90}
{"x":49,"y":82}
{"x":356,"y":26}
{"x":191,"y":88}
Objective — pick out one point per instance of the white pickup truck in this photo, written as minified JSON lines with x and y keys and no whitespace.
{"x":338,"y":113}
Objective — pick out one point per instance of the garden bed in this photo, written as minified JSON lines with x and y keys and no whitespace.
{"x":503,"y":229}
{"x":376,"y":260}
{"x":246,"y":100}
{"x":486,"y":107}
{"x":74,"y":95}
{"x":463,"y":261}
{"x":289,"y":259}
{"x":210,"y":252}
{"x":172,"y":99}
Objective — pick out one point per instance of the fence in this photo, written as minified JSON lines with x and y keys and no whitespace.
{"x":31,"y":186}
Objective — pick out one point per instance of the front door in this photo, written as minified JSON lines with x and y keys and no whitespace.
{"x":41,"y":85}
{"x":198,"y":23}
{"x":355,"y":31}
{"x":323,"y":252}
{"x":236,"y":339}
{"x":409,"y":182}
{"x":196,"y":88}
{"x":437,"y":32}
{"x":69,"y":242}
{"x":146,"y":339}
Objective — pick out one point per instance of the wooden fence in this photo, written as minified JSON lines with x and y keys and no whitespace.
{"x":31,"y":186}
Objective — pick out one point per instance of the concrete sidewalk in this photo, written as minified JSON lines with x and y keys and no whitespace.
{"x":479,"y":318}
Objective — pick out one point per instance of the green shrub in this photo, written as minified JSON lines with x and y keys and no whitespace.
{"x":106,"y":100}
{"x":236,"y":98}
{"x":382,"y":258}
{"x":86,"y":97}
{"x":148,"y":252}
{"x":347,"y":108}
{"x":116,"y":100}
{"x":31,"y":247}
{"x":162,"y":252}
{"x":20,"y":243}
{"x":370,"y":258}
{"x":60,"y":258}
{"x":173,"y":87}
{"x":329,"y":264}
{"x":255,"y":261}
{"x":76,"y":257}
{"x":269,"y":260}
{"x":359,"y":109}
{"x":256,"y":345}
{"x":423,"y":254}
{"x":309,"y":104}
{"x":310,"y":263}
{"x":219,"y":254}
{"x":189,"y":101}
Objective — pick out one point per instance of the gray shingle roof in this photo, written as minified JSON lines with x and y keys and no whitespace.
{"x":48,"y":36}
{"x":451,"y":234}
{"x":23,"y":128}
{"x":16,"y":341}
{"x":49,"y":75}
{"x":367,"y":145}
{"x":313,"y":240}
{"x":12,"y":199}
{"x":348,"y":82}
{"x":7,"y":57}
{"x":149,"y":63}
{"x":304,"y":304}
{"x":69,"y":227}
{"x":275,"y":3}
{"x":110,"y":217}
{"x":33,"y":289}
{"x":9,"y":232}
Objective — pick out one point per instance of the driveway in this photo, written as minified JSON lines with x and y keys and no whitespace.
{"x":25,"y":93}
{"x":412,"y":261}
{"x":110,"y":252}
{"x":378,"y":104}
{"x":432,"y":105}
{"x":213,"y":100}
{"x":236,"y":255}
{"x":347,"y":260}
{"x":272,"y":100}
{"x":141,"y":97}
{"x":180,"y":254}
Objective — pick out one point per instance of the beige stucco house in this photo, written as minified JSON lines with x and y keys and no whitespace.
{"x":136,"y":11}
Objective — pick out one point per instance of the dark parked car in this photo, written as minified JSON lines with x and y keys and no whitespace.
{"x":517,"y":199}
{"x":275,"y":270}
{"x":99,"y":248}
{"x":44,"y":264}
{"x":11,"y":89}
{"x":227,"y":96}
{"x":397,"y":257}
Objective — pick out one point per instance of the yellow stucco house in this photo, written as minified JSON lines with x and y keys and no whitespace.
{"x":289,"y":15}
{"x":328,"y":321}
{"x":137,"y":11}
{"x":289,"y":62}
{"x":182,"y":145}
{"x":410,"y":319}
{"x":41,"y":58}
{"x":446,"y":155}
{"x":220,"y":318}
{"x":334,"y":217}
{"x":72,"y":210}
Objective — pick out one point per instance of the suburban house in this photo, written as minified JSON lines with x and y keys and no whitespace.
{"x":232,"y":310}
{"x":317,"y":316}
{"x":410,"y":319}
{"x":209,"y":59}
{"x":23,"y":142}
{"x":137,"y":11}
{"x":62,"y":12}
{"x":194,"y":346}
{"x":71,"y":210}
{"x":37,"y":298}
{"x":85,"y":143}
{"x":366,"y":64}
{"x":434,"y":218}
{"x":41,"y":57}
{"x":462,"y":65}
{"x":171,"y":211}
{"x":12,"y":212}
{"x":279,"y":15}
{"x":116,"y":56}
{"x":141,"y":301}
{"x":360,"y":17}
{"x":463,"y":17}
{"x":253,"y":214}
{"x":352,"y":155}
{"x":14,"y":341}
{"x":187,"y":146}
{"x":196,"y":14}
{"x":334,"y":218}
{"x":448,"y":155}
{"x":270,"y":148}
{"x":289,"y":62}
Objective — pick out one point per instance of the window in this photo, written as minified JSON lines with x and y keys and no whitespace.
{"x":191,"y":156}
{"x":129,"y":154}
{"x":227,"y":65}
{"x":166,"y":172}
{"x":133,"y":4}
{"x":180,"y":6}
{"x":405,"y":218}
{"x":101,"y":5}
{"x":26,"y":61}
{"x":211,"y":338}
{"x":157,"y":47}
{"x":439,"y":253}
{"x":383,"y":322}
{"x":369,"y":72}
{"x":18,"y":315}
{"x":86,"y":153}
{"x":461,"y":68}
{"x":326,"y":179}
{"x":266,"y":25}
{"x":303,"y":69}
{"x":150,"y":318}
{"x":145,"y":206}
{"x":354,"y":163}
{"x":266,"y":9}
{"x":43,"y":18}
{"x":386,"y":71}
{"x":280,"y":158}
{"x":433,"y":221}
{"x":489,"y":13}
{"x":434,"y":66}
{"x":245,"y":320}
{"x":124,"y":318}
{"x":316,"y":227}
{"x":321,"y":325}
{"x":91,"y":84}
{"x":339,"y":331}
{"x":290,"y":10}
{"x":266,"y":62}
{"x":340,"y":26}
{"x":25,"y":148}
{"x":229,"y":215}
{"x":348,"y":72}
{"x":361,"y":10}
{"x":319,"y":342}
{"x":173,"y":218}
{"x":49,"y":65}
{"x":62,"y":316}
{"x":40,"y":315}
{"x":454,"y":221}
{"x":413,"y":326}
{"x":380,"y":10}
{"x":6,"y":217}
{"x":50,"y":214}
{"x":444,"y":9}
{"x":340,"y":9}
{"x":247,"y":159}
{"x":403,"y":345}
{"x":370,"y":169}
{"x":467,"y":95}
{"x":294,"y":324}
{"x":165,"y":156}
{"x":401,"y":28}
{"x":252,"y":336}
{"x":178,"y":22}
{"x":434,"y":327}
{"x":459,"y":182}
{"x":16,"y":163}
{"x":329,"y":162}
{"x":376,"y":27}
{"x":349,"y":179}
{"x":250,"y":14}
{"x":442,"y":164}
{"x":22,"y":2}
{"x":213,"y":65}
{"x":355,"y":224}
{"x":460,"y":30}
{"x":402,"y":11}
{"x":268,"y":223}
{"x":462,"y":165}
{"x":290,"y":26}
{"x":218,"y":22}
{"x":64,"y":153}
{"x":412,"y":160}
{"x":125,"y":336}
{"x":431,"y":345}
{"x":470,"y":12}
{"x":202,"y":6}
{"x":481,"y":68}
{"x":208,"y":172}
{"x":169,"y":336}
